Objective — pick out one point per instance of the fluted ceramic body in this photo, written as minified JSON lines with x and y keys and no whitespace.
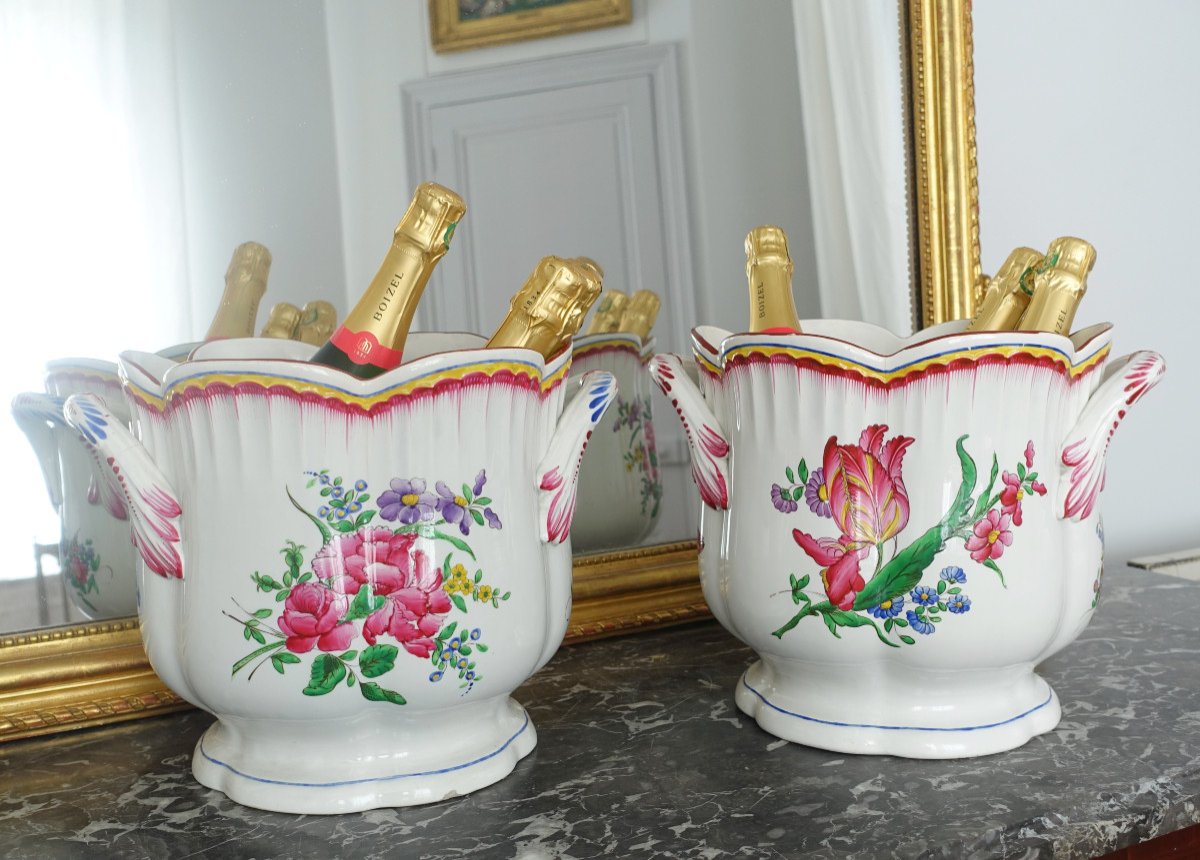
{"x":620,"y":487}
{"x":359,"y":570}
{"x":902,"y":528}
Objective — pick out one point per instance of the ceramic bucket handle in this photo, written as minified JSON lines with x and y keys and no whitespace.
{"x":558,"y":473}
{"x":148,"y":495}
{"x":37,"y":415}
{"x":1083,"y":453}
{"x":707,"y":442}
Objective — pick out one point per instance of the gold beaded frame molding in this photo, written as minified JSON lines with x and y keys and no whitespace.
{"x":89,"y":674}
{"x":450,"y":32}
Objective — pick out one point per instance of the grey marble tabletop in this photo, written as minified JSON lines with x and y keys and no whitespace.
{"x":643,"y":754}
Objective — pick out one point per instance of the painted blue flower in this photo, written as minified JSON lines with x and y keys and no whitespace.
{"x":958,"y":603}
{"x":323,"y":511}
{"x":918,"y":623}
{"x":471,"y":675}
{"x":340,"y":514}
{"x":462,"y":663}
{"x":923,"y":595}
{"x":475,"y":634}
{"x":354,"y":507}
{"x":324,"y":479}
{"x":953,"y":573}
{"x":336,"y":492}
{"x":447,"y":655}
{"x":435,"y":676}
{"x":454,"y":644}
{"x":889,"y":608}
{"x":360,"y":485}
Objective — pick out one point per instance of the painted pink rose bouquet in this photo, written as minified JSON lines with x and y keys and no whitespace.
{"x":373,"y":591}
{"x":861,"y":489}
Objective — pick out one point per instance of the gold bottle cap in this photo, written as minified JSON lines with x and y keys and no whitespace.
{"x":431,"y":217}
{"x":641,"y":313}
{"x":549,"y":308}
{"x":1008,"y":292}
{"x":317,"y":322}
{"x":1059,"y":285}
{"x":607,"y":318}
{"x":769,"y":271}
{"x":282,"y":322}
{"x":590,"y":263}
{"x":245,"y":283}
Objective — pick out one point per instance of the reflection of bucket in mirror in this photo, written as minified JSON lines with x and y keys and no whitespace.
{"x":902,"y":528}
{"x":95,"y":553}
{"x":620,"y":485}
{"x":361,"y":569}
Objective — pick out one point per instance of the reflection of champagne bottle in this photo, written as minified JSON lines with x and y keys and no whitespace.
{"x":1058,"y":286}
{"x":371,"y":339}
{"x":607,"y":318}
{"x":640,"y":313}
{"x":1008,"y":293}
{"x":245,"y":283}
{"x":282,"y":322}
{"x":549,"y":309}
{"x":769,"y":271}
{"x":317,"y":322}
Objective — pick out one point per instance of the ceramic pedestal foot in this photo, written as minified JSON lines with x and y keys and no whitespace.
{"x":369,"y":761}
{"x":896,"y":710}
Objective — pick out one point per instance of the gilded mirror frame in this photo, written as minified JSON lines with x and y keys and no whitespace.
{"x":90,"y":674}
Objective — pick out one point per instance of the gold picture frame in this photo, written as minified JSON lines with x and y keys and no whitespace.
{"x":450,"y":31}
{"x":90,"y":674}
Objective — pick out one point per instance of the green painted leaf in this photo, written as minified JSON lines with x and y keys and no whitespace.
{"x":277,"y":663}
{"x":376,"y":693}
{"x":287,"y":657}
{"x":991,"y":565}
{"x":481,"y":647}
{"x":362,"y":519}
{"x":246,"y":633}
{"x":465,"y":650}
{"x":903,"y":572}
{"x":1021,"y":471}
{"x":478,"y":517}
{"x":337,"y":482}
{"x":802,"y":469}
{"x":479,"y":576}
{"x":348,"y":655}
{"x":345,"y":526}
{"x":326,"y":491}
{"x":889,"y":624}
{"x":1032,"y":476}
{"x":956,"y":590}
{"x":327,"y":672}
{"x":842,"y":618}
{"x":258,"y":636}
{"x":254,"y":655}
{"x":377,"y":659}
{"x":281,"y":596}
{"x":448,"y":631}
{"x":350,"y":680}
{"x":941,"y":586}
{"x":907,"y":640}
{"x":360,"y":606}
{"x":791,"y":476}
{"x":305,"y":577}
{"x":941,"y":606}
{"x":982,"y":504}
{"x":467,"y":492}
{"x":263,"y":613}
{"x":507,"y":594}
{"x":321,"y":526}
{"x":457,"y":600}
{"x":483,"y":501}
{"x":453,"y":541}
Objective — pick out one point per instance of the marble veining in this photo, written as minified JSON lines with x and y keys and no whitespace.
{"x":642,"y":754}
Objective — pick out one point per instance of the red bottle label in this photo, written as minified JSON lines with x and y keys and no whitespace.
{"x":362,"y":347}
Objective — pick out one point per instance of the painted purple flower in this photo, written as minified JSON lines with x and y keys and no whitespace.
{"x":782,"y":503}
{"x":493,"y":521}
{"x":480,"y":480}
{"x":407,"y":501}
{"x":453,"y":508}
{"x":816,"y":494}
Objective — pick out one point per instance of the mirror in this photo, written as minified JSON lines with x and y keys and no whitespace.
{"x":228,"y":145}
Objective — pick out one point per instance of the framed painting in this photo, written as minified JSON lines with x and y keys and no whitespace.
{"x":457,"y":25}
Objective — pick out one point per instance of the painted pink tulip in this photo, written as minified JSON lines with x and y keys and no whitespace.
{"x":310,"y":617}
{"x":990,"y":536}
{"x":840,"y":566}
{"x":1011,"y":495}
{"x":372,"y":554}
{"x":413,"y":611}
{"x":865,"y":488}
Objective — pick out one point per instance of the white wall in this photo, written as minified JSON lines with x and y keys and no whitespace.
{"x":1087,"y":125}
{"x":256,"y":130}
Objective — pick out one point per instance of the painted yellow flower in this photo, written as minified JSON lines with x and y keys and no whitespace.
{"x":484,"y":593}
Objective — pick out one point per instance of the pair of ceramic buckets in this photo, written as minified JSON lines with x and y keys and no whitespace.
{"x":900,"y":528}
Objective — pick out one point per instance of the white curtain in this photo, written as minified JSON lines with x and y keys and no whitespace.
{"x":852,"y":98}
{"x":92,"y":256}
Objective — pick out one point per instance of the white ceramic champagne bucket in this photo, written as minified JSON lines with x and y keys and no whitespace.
{"x":352,"y":575}
{"x":902,"y":528}
{"x":620,"y":486}
{"x":96,"y":556}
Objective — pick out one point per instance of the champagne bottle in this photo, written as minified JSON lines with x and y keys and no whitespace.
{"x":318,"y":319}
{"x":1058,"y":286}
{"x":640,"y":313}
{"x":282,"y":322}
{"x":371,"y":338}
{"x":1008,"y":293}
{"x":245,"y":283}
{"x":607,"y":318}
{"x":549,"y":309}
{"x":769,"y":272}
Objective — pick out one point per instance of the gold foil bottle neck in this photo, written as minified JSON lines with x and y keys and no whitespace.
{"x":317,"y":322}
{"x":1008,"y":292}
{"x":245,"y":283}
{"x":641,"y":313}
{"x":1059,"y":285}
{"x":607,"y":318}
{"x":431,"y":218}
{"x":588,"y":262}
{"x":549,"y":308}
{"x":282,"y":322}
{"x":769,"y":271}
